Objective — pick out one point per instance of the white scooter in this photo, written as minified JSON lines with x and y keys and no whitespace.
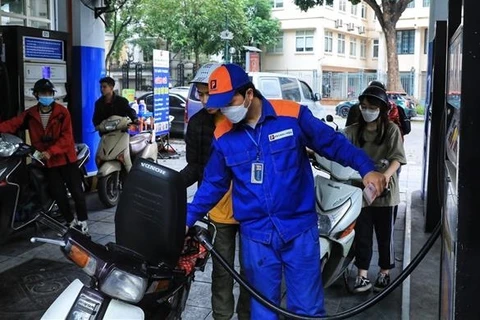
{"x":338,"y":204}
{"x":115,"y":154}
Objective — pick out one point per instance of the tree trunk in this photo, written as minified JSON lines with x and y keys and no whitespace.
{"x":393,"y":74}
{"x":197,"y":60}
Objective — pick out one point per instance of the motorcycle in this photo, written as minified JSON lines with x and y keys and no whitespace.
{"x":148,"y":272}
{"x":24,"y":196}
{"x":115,"y":154}
{"x":338,"y":205}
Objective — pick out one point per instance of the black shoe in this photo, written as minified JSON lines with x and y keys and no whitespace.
{"x":383,"y":280}
{"x":362,"y":284}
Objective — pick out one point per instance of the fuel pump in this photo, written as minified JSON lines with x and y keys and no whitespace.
{"x":27,"y":55}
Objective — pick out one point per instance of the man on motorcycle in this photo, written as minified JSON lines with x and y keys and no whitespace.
{"x":50,"y":128}
{"x":261,"y":150}
{"x":110,"y":104}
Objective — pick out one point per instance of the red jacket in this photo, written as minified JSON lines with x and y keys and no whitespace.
{"x":56,"y":139}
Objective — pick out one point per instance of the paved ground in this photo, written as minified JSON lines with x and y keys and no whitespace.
{"x":424,"y":285}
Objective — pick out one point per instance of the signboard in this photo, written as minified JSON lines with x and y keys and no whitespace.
{"x":161,"y":74}
{"x":42,"y":49}
{"x":254,"y":63}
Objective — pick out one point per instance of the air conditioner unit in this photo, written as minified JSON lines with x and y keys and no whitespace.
{"x":350,"y":26}
{"x":338,"y":23}
{"x":361,"y":29}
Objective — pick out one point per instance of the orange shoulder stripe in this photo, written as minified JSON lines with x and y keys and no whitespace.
{"x":222,"y":126}
{"x":286,"y":108}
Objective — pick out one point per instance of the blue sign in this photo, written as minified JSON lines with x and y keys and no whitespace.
{"x":39,"y":48}
{"x":161,"y":75}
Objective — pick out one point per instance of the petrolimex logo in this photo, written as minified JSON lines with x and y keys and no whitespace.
{"x":213,"y":84}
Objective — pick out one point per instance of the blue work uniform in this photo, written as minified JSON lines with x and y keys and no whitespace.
{"x":274,"y":198}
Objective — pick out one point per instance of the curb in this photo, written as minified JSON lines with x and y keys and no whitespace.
{"x":407,"y":256}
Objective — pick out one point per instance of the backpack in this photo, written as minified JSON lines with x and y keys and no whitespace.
{"x":404,"y":121}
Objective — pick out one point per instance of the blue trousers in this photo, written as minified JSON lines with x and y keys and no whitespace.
{"x":299,"y":260}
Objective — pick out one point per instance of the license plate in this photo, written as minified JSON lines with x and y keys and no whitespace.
{"x":86,"y":306}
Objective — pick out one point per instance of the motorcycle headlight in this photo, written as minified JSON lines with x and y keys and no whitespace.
{"x":7,"y":148}
{"x":124,"y":286}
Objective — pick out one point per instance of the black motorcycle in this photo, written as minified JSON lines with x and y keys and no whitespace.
{"x":24,"y":196}
{"x":148,"y":272}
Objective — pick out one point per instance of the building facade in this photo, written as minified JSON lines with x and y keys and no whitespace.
{"x":339,"y":48}
{"x":29,"y":13}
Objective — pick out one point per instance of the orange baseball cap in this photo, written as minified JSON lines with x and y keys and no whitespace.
{"x":223,"y":83}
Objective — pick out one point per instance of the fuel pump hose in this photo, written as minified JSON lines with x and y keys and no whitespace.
{"x":203,"y":236}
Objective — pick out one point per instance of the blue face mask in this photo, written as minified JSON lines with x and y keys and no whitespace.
{"x":46,"y":100}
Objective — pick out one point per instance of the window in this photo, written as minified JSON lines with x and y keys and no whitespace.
{"x":39,"y":8}
{"x":341,"y":44}
{"x":307,"y":91}
{"x":363,"y":48}
{"x":277,"y":47}
{"x":353,"y":47}
{"x":425,"y":41}
{"x":329,"y":5}
{"x":17,"y":7}
{"x":328,"y":41}
{"x":270,"y":88}
{"x":363,"y":11}
{"x":9,"y":21}
{"x":32,"y":13}
{"x":411,"y":4}
{"x":290,"y":89}
{"x":342,"y":5}
{"x":304,"y":41}
{"x":276,"y":3}
{"x":353,"y":9}
{"x":405,"y":41}
{"x":426,"y":3}
{"x":375,"y":48}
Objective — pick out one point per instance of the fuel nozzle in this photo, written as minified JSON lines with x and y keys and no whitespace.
{"x":203,"y":236}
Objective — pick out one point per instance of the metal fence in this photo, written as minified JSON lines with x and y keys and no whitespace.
{"x":331,"y":85}
{"x":347,"y":85}
{"x":138,"y":76}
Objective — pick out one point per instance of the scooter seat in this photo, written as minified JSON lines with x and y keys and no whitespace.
{"x":138,"y":142}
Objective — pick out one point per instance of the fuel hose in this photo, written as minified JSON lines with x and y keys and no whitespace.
{"x":203,"y":237}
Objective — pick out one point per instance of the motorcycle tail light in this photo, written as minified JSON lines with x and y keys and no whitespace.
{"x":83,"y":259}
{"x":347,"y":231}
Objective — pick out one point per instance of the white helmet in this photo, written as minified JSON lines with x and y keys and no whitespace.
{"x":204,"y":73}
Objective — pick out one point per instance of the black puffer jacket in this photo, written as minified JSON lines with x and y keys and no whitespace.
{"x":198,"y":146}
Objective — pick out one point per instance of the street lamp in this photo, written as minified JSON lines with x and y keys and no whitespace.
{"x":226,"y":35}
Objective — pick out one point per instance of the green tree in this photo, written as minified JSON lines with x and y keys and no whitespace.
{"x":194,"y":26}
{"x":388,"y":12}
{"x":263,"y":29}
{"x":120,"y":21}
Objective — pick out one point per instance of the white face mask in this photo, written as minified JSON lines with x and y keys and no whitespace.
{"x":236,"y":113}
{"x":370,"y":115}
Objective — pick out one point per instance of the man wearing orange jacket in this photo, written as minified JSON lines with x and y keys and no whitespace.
{"x":198,"y":146}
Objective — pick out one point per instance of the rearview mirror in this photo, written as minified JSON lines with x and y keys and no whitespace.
{"x":317,"y":97}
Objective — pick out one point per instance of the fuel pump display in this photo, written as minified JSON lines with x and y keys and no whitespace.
{"x":29,"y":54}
